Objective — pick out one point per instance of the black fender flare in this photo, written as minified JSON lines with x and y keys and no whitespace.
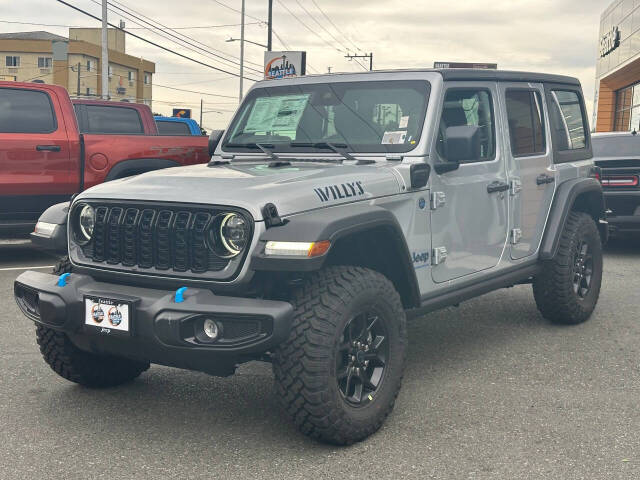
{"x":138,"y":165}
{"x":584,"y":194}
{"x":57,"y":241}
{"x":334,"y":224}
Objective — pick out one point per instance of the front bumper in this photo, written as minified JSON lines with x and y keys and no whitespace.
{"x":161,"y":331}
{"x":625,"y":210}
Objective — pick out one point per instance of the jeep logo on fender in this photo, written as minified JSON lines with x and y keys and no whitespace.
{"x":338,"y":192}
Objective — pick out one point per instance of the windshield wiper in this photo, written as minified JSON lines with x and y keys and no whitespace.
{"x":266,"y":148}
{"x":335,"y":147}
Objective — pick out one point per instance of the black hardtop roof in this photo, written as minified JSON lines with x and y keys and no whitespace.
{"x":505,"y":76}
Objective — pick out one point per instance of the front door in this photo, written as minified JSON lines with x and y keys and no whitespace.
{"x":469,"y":216}
{"x":530,"y":165}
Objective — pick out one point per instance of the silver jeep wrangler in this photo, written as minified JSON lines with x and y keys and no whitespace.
{"x":334,"y":208}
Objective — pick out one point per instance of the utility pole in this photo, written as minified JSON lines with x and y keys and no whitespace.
{"x":201,"y":108}
{"x":105,"y":53}
{"x":369,"y":56}
{"x":270,"y":27}
{"x":78,"y":87}
{"x":241,"y":48}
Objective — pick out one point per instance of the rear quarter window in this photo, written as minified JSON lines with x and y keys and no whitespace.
{"x":173,"y":128}
{"x":26,"y":111}
{"x":113,"y":120}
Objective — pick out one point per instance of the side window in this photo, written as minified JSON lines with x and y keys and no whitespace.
{"x":26,"y":111}
{"x":173,"y":128}
{"x":568,"y":121}
{"x":469,"y":108}
{"x":526,"y":122}
{"x":113,"y":120}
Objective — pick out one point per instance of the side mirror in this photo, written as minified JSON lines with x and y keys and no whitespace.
{"x":214,"y":139}
{"x":461,"y":144}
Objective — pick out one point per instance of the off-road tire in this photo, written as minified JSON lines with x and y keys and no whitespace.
{"x":305,"y":365}
{"x":82,"y":367}
{"x":553,"y":289}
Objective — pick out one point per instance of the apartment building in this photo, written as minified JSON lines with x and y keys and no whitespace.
{"x":74,"y":62}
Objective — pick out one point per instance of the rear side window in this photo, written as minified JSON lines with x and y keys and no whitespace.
{"x":113,"y":120}
{"x":568,"y":120}
{"x":173,"y":128}
{"x":526,"y":122}
{"x":26,"y":111}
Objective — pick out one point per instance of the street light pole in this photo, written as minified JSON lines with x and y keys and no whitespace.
{"x":241,"y":49}
{"x":270,"y":27}
{"x":105,"y":53}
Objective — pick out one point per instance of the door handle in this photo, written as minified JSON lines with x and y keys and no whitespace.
{"x":544,"y":179}
{"x":497,"y":186}
{"x":48,"y":148}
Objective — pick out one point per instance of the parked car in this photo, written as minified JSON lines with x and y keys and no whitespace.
{"x":115,"y":118}
{"x":177,"y":126}
{"x":45,"y":158}
{"x":335,"y":207}
{"x":618,"y":157}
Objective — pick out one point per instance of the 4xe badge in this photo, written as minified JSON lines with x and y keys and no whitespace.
{"x":339,"y":192}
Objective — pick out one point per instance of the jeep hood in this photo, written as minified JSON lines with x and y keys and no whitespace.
{"x":296,"y":188}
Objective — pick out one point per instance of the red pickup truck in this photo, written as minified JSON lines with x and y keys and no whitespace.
{"x":47,"y":154}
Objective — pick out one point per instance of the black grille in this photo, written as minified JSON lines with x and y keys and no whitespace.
{"x":165,"y":238}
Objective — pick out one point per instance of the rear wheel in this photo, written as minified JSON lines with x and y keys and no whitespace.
{"x":340,"y":371}
{"x":568,"y":288}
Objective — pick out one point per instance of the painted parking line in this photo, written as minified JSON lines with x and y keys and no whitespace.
{"x":9,"y":269}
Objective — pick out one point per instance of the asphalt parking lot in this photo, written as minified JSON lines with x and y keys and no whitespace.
{"x":491,"y":391}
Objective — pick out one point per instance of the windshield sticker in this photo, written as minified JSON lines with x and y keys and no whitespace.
{"x":404,"y":122}
{"x":276,"y":113}
{"x":394,"y":138}
{"x":338,"y":192}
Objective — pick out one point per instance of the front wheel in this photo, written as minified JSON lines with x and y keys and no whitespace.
{"x":340,"y":371}
{"x":568,"y":288}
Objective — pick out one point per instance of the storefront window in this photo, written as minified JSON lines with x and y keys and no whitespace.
{"x":628,"y":109}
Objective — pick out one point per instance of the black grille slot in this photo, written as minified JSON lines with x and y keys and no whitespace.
{"x":164,"y":238}
{"x":236,"y":329}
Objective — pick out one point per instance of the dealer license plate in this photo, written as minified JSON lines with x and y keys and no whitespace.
{"x":107,"y":315}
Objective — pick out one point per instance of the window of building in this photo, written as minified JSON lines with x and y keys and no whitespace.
{"x":147,"y":78}
{"x":90,"y":65}
{"x":45,"y":62}
{"x":12,"y":61}
{"x":113,"y":120}
{"x":568,"y":120}
{"x":89,"y":91}
{"x":469,"y":107}
{"x":25,"y":111}
{"x":132,"y":75}
{"x":628,"y":109}
{"x":110,"y":71}
{"x":526,"y":131}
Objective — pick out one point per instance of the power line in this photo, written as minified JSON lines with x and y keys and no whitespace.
{"x":192,"y":91}
{"x":321,"y":26}
{"x":165,"y":35}
{"x":334,"y":25}
{"x":121,"y":6}
{"x":307,"y":26}
{"x":237,"y":11}
{"x":130,"y":28}
{"x":155,"y":44}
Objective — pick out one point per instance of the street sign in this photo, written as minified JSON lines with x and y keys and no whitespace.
{"x":480,"y":66}
{"x":182,"y":112}
{"x":284,"y":64}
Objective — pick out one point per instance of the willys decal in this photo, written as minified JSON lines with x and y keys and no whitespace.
{"x":338,"y":192}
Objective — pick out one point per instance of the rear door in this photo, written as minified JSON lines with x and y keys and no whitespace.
{"x":469,"y":217}
{"x":36,"y":168}
{"x":530,"y":161}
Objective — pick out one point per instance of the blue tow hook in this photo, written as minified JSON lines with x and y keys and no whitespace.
{"x":62,"y":279}
{"x":180,"y":294}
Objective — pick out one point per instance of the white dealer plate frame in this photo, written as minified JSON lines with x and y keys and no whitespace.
{"x":107,"y":316}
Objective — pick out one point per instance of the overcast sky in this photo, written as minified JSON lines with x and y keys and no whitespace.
{"x":558,"y":36}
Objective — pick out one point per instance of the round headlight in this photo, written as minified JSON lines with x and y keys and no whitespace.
{"x":86,"y":222}
{"x":234,"y":233}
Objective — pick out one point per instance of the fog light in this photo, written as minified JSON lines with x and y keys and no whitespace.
{"x":211,"y":329}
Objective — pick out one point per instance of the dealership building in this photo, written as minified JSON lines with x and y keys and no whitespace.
{"x":617,"y":105}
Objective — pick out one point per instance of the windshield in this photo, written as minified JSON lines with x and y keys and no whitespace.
{"x":368,"y":117}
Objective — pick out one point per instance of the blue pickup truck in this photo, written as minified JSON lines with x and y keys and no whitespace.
{"x":177,"y":126}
